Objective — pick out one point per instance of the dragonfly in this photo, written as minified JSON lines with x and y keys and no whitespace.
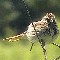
{"x":45,"y":31}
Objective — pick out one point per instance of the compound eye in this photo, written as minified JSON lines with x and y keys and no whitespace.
{"x":48,"y":20}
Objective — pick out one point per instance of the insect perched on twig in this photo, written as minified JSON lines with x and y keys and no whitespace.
{"x":44,"y":31}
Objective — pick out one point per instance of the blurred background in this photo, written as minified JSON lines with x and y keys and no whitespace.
{"x":14,"y":20}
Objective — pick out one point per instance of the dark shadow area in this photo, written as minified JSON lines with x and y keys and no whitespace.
{"x":13,"y":13}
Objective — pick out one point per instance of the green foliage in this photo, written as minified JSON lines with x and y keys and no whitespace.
{"x":14,"y":20}
{"x":21,"y":50}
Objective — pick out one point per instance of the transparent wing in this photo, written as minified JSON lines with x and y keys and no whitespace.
{"x":15,"y":38}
